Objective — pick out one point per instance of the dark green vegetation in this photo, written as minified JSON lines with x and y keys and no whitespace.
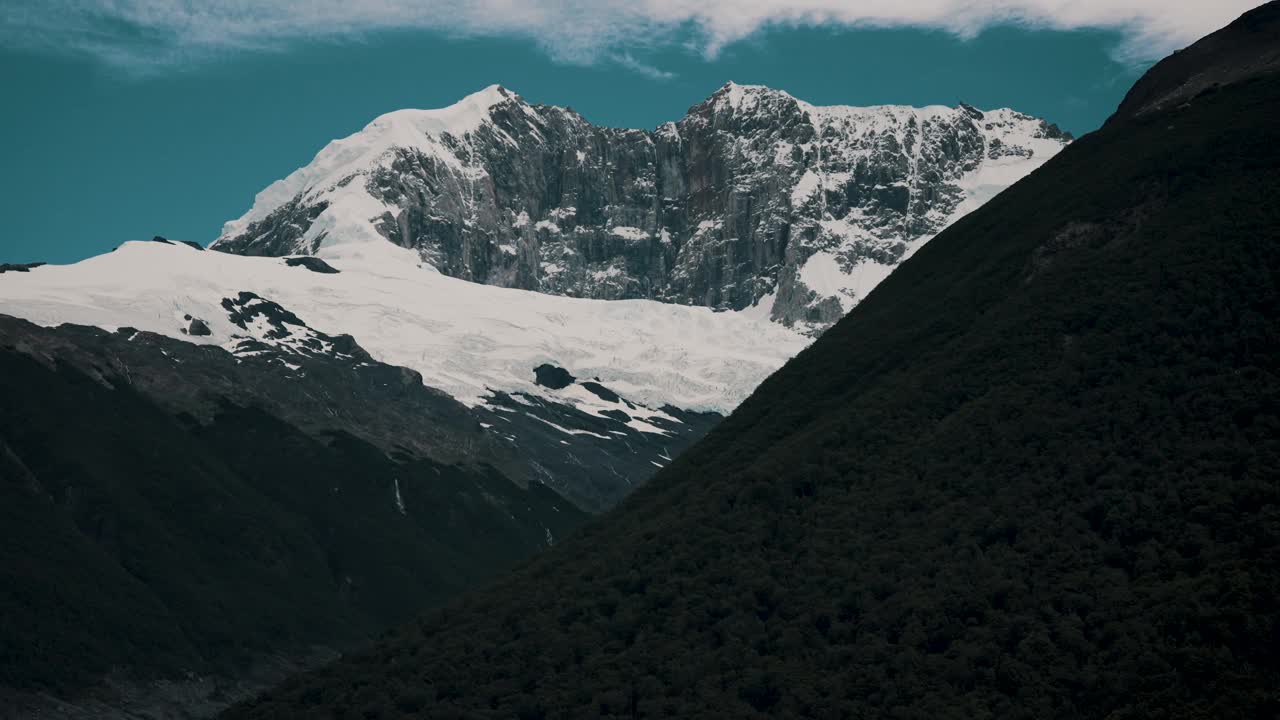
{"x":1033,"y":475}
{"x":1248,"y":47}
{"x":152,"y":543}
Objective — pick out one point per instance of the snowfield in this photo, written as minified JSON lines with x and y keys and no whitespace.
{"x":466,"y":339}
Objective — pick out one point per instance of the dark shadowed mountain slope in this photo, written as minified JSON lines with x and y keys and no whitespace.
{"x":1032,"y":475}
{"x":165,"y":517}
{"x":1246,"y":48}
{"x":651,"y":377}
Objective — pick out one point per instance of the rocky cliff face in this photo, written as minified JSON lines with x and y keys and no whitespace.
{"x":754,"y":198}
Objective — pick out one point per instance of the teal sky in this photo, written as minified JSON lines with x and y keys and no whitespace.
{"x":96,"y":154}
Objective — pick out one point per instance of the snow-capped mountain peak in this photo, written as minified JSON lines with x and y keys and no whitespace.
{"x":326,"y":178}
{"x":408,"y":128}
{"x":755,"y":199}
{"x":746,"y":97}
{"x":755,"y":203}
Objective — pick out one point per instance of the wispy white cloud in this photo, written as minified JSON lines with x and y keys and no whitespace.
{"x":628,"y":61}
{"x":157,"y":33}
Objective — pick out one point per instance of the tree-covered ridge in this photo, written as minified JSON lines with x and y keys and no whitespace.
{"x":140,"y":542}
{"x":1033,"y":475}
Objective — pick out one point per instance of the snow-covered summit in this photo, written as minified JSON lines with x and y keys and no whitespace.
{"x":326,"y":177}
{"x":740,"y":97}
{"x":862,"y":120}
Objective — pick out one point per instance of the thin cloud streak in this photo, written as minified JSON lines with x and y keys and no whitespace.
{"x":629,"y":62}
{"x":150,"y":35}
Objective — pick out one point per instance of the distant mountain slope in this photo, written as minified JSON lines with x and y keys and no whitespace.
{"x":154,"y":529}
{"x":651,"y":377}
{"x":753,"y":198}
{"x":1033,"y":475}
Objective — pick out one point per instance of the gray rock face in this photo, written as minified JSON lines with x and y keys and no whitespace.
{"x":198,"y":327}
{"x":726,"y":208}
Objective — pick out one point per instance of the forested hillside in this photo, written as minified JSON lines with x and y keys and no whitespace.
{"x":1032,"y":475}
{"x":145,"y":543}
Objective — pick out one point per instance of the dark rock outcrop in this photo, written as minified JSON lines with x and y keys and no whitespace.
{"x":167,"y":241}
{"x":552,"y":376}
{"x":314,"y":264}
{"x":198,"y":328}
{"x":601,"y":391}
